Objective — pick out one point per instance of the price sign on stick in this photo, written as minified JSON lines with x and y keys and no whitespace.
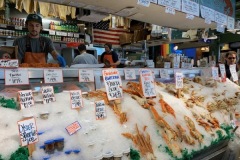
{"x":48,"y":94}
{"x":25,"y":98}
{"x":53,"y":76}
{"x":167,"y":65}
{"x":179,"y":80}
{"x":86,"y":75}
{"x":233,"y":72}
{"x":76,"y":99}
{"x":147,"y":83}
{"x":100,"y":110}
{"x":113,"y":83}
{"x":16,"y":76}
{"x":215,"y":73}
{"x":129,"y":74}
{"x":73,"y":128}
{"x":223,"y":72}
{"x":8,"y":63}
{"x":27,"y":131}
{"x":164,"y":73}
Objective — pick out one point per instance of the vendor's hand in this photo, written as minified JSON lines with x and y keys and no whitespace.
{"x":61,"y":61}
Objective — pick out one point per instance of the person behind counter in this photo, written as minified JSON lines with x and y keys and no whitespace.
{"x":109,"y":57}
{"x":230,"y":59}
{"x":84,"y":57}
{"x":34,"y":48}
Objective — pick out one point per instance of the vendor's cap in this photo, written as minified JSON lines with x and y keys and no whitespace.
{"x":34,"y":17}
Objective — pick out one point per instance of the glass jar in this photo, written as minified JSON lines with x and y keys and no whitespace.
{"x":59,"y":144}
{"x":49,"y":146}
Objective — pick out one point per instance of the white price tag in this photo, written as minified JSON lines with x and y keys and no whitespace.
{"x":76,"y":99}
{"x":145,"y":3}
{"x":70,"y":34}
{"x":220,"y":18}
{"x":113,"y":83}
{"x":76,"y":35}
{"x":164,"y":73}
{"x":18,"y":27}
{"x":207,"y":13}
{"x":215,"y":73}
{"x":5,"y":63}
{"x":190,"y":7}
{"x":3,"y":25}
{"x":48,"y":94}
{"x":100,"y":110}
{"x":167,"y":64}
{"x":147,"y":83}
{"x":223,"y":72}
{"x":129,"y":74}
{"x":179,"y":80}
{"x":233,"y":72}
{"x":220,"y":28}
{"x":230,"y":23}
{"x":16,"y":76}
{"x":52,"y":32}
{"x":53,"y":76}
{"x":27,"y":129}
{"x":170,"y":10}
{"x":190,"y":16}
{"x":25,"y":98}
{"x":86,"y":75}
{"x":176,"y":4}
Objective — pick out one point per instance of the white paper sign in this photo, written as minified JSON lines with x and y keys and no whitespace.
{"x":9,"y":63}
{"x":164,"y":73}
{"x":27,"y":131}
{"x":207,"y":13}
{"x":25,"y":98}
{"x":48,"y":94}
{"x":230,"y":23}
{"x":167,"y":64}
{"x":215,"y":73}
{"x":190,"y":7}
{"x":220,"y":18}
{"x":189,"y":16}
{"x":16,"y":76}
{"x":223,"y":72}
{"x":53,"y":76}
{"x":129,"y":74}
{"x":86,"y":75}
{"x":52,"y":32}
{"x":170,"y":10}
{"x":113,"y":83}
{"x":100,"y":110}
{"x":179,"y":80}
{"x":76,"y":99}
{"x":220,"y":28}
{"x":233,"y":72}
{"x":176,"y":4}
{"x":147,"y":83}
{"x":145,"y":3}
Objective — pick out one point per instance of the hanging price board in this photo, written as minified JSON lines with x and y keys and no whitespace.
{"x":25,"y":98}
{"x":215,"y":73}
{"x":27,"y":131}
{"x":8,"y":63}
{"x":179,"y":80}
{"x":230,"y":23}
{"x":145,"y":3}
{"x":76,"y":99}
{"x":223,"y":72}
{"x":129,"y":74}
{"x":100,"y":110}
{"x":48,"y":94}
{"x":220,"y":18}
{"x":16,"y":76}
{"x":189,"y":16}
{"x":190,"y":7}
{"x":170,"y":10}
{"x":53,"y":76}
{"x":113,"y":83}
{"x":86,"y":75}
{"x":233,"y":72}
{"x":73,"y":128}
{"x":147,"y":83}
{"x":176,"y":4}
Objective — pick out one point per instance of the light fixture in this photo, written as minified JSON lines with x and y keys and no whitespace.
{"x":203,"y":49}
{"x":85,"y":28}
{"x":175,"y":48}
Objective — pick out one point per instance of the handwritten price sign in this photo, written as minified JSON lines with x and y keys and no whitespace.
{"x":86,"y":75}
{"x":73,"y":128}
{"x":48,"y":94}
{"x":167,"y":65}
{"x":16,"y":76}
{"x":147,"y":83}
{"x":129,"y":74}
{"x":145,"y":3}
{"x":113,"y":83}
{"x":76,"y":99}
{"x":100,"y":110}
{"x":233,"y":72}
{"x":164,"y":73}
{"x":27,"y":131}
{"x":53,"y":76}
{"x":179,"y":80}
{"x":215,"y":73}
{"x":223,"y":72}
{"x":7,"y":63}
{"x":26,"y":99}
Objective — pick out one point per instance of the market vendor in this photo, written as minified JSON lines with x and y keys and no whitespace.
{"x":230,"y":59}
{"x":109,"y":57}
{"x":34,"y":48}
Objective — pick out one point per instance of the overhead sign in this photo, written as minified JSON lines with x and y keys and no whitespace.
{"x":207,"y":13}
{"x":190,"y":7}
{"x":176,"y":4}
{"x":145,"y":3}
{"x":220,"y":18}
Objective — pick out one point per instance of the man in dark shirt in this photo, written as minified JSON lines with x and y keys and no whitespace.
{"x":109,"y":57}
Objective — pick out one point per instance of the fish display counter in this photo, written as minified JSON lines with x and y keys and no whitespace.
{"x":81,"y":120}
